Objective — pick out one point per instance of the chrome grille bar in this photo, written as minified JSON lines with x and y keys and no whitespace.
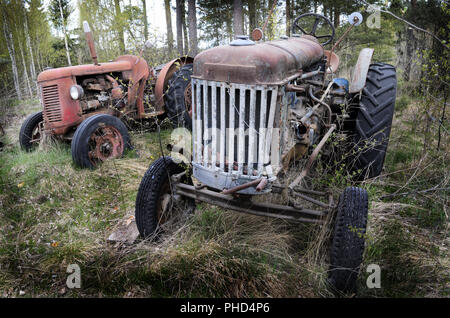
{"x":232,"y":130}
{"x":222,"y":127}
{"x":232,"y":93}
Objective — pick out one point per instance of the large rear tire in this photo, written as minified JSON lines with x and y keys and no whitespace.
{"x":99,"y":138}
{"x":374,"y":119}
{"x":347,"y":246}
{"x":30,"y":135}
{"x":178,"y":98}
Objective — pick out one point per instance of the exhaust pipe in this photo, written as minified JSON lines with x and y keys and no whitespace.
{"x":90,"y":41}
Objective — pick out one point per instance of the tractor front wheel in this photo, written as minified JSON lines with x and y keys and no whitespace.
{"x":347,"y":246}
{"x":99,"y":138}
{"x":30,"y":132}
{"x":155,"y":201}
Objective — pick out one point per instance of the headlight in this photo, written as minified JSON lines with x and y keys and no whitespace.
{"x":76,"y":92}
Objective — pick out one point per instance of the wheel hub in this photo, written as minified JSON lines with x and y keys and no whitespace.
{"x":105,"y":143}
{"x":188,"y":99}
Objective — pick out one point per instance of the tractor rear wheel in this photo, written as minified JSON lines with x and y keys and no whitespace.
{"x":99,"y":138}
{"x":374,"y":119}
{"x":347,"y":246}
{"x":155,"y":202}
{"x":178,"y":99}
{"x":30,"y":134}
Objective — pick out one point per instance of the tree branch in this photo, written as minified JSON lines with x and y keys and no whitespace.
{"x":408,"y":23}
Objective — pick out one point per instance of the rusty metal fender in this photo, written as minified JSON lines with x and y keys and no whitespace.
{"x":361,"y":69}
{"x":164,"y":76}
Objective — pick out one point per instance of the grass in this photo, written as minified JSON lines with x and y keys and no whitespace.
{"x":54,"y":214}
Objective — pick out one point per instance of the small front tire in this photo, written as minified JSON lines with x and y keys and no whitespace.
{"x":154,"y":201}
{"x":99,"y":138}
{"x":347,"y":246}
{"x":30,"y":133}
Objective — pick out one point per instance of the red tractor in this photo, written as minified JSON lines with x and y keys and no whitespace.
{"x":262,"y":113}
{"x":87,"y":104}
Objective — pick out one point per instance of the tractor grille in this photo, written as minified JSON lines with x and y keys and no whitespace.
{"x":230,"y":135}
{"x":52,"y":107}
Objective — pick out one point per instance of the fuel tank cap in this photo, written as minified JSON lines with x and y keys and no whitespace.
{"x":242,"y":40}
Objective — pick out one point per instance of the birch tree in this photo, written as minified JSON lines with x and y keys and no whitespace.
{"x":144,"y":9}
{"x":60,"y":12}
{"x":12,"y":55}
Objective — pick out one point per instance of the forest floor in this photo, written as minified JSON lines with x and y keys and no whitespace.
{"x":53,"y":214}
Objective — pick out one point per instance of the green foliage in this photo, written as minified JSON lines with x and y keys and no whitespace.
{"x":55,"y":8}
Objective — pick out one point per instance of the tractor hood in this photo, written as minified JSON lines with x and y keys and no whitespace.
{"x":274,"y":62}
{"x":121,"y":64}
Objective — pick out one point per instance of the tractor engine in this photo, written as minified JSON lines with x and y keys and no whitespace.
{"x":72,"y":94}
{"x":256,"y":110}
{"x":102,"y":91}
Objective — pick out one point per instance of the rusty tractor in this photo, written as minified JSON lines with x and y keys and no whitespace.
{"x":87,"y":104}
{"x":262,"y":113}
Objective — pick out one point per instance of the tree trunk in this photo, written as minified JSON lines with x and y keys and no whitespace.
{"x":26,"y":78}
{"x":65,"y":34}
{"x":183,"y":22}
{"x":179,"y":12}
{"x":32,"y":66}
{"x":192,"y":18}
{"x":144,"y":10}
{"x":169,"y":26}
{"x":251,"y":15}
{"x":12,"y":56}
{"x":119,"y":26}
{"x":288,"y":17}
{"x":337,"y":14}
{"x":237,"y":17}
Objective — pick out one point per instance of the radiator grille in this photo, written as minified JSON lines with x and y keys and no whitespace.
{"x":52,"y":107}
{"x":230,"y":124}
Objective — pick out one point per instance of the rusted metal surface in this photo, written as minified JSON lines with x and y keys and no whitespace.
{"x":262,"y":184}
{"x":90,"y":42}
{"x":312,"y":158}
{"x":243,"y":186}
{"x":60,"y":111}
{"x":105,"y":143}
{"x":295,"y":88}
{"x":88,"y":69}
{"x":245,"y":205}
{"x":163,"y":78}
{"x":332,"y":61}
{"x":188,"y":98}
{"x":361,"y":69}
{"x":321,"y":102}
{"x":274,"y":62}
{"x":309,"y":199}
{"x":137,"y":77}
{"x":257,"y":34}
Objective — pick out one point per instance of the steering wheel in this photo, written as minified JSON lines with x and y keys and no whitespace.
{"x":313,"y":31}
